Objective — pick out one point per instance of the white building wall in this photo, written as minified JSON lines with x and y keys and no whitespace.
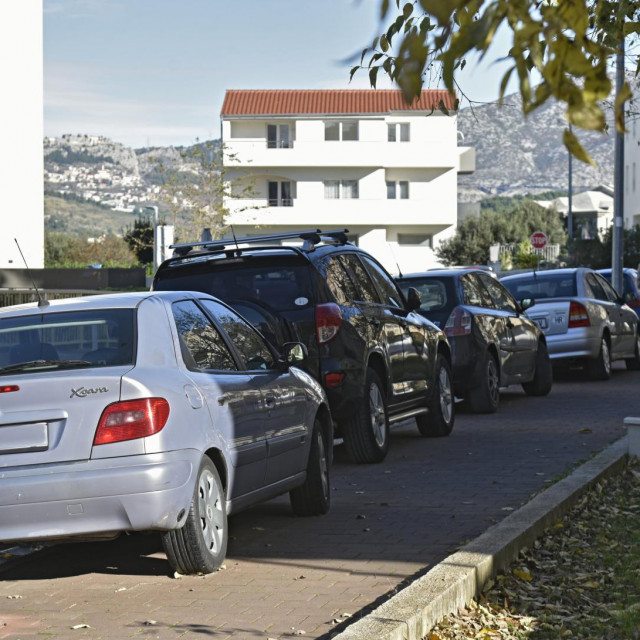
{"x":631,"y":196}
{"x":428,"y":161}
{"x":21,"y":131}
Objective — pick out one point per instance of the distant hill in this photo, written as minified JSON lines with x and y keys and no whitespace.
{"x":517,"y":155}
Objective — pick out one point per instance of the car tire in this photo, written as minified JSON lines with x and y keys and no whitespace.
{"x":200,"y":545}
{"x":439,"y":421}
{"x":633,"y":364}
{"x":543,"y":377}
{"x":599,"y":368}
{"x":485,"y":398}
{"x":366,"y":431}
{"x":313,"y":498}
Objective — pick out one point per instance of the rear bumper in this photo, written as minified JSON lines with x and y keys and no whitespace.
{"x":135,"y":493}
{"x":576,"y":343}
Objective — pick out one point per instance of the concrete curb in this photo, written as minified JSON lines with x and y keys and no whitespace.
{"x":413,"y":612}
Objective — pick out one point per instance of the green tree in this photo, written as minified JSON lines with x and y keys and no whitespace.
{"x":567,"y":42}
{"x":196,"y":198}
{"x":71,"y":251}
{"x":474,"y":236}
{"x":139,"y":238}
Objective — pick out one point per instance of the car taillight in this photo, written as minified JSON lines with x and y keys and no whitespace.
{"x":328,"y":321}
{"x":8,"y":388}
{"x":578,"y":316}
{"x":634,"y":303}
{"x":131,"y":419}
{"x":458,"y":323}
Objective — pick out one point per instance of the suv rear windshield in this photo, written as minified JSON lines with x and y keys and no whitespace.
{"x":99,"y":338}
{"x":281,"y":284}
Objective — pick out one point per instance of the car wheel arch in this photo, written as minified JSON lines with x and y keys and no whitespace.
{"x":377,"y":364}
{"x":216,"y":456}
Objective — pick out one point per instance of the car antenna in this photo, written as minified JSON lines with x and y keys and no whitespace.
{"x":233,"y":233}
{"x":395,"y":259}
{"x":42,"y":302}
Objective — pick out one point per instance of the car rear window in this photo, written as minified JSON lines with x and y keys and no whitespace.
{"x":553,"y":285}
{"x":281,"y":285}
{"x":436,"y":294}
{"x":101,"y":337}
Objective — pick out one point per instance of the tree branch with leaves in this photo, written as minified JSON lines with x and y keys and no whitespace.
{"x":569,"y":43}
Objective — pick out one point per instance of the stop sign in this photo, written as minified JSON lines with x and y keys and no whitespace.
{"x":538,"y":240}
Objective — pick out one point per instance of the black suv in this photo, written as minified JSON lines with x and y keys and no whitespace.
{"x":378,"y":361}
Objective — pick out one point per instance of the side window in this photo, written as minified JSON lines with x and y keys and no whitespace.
{"x":252,"y":348}
{"x":594,"y":288}
{"x":608,"y":289}
{"x":501,"y":297}
{"x":202,"y":345}
{"x":390,"y":294}
{"x":473,"y":292}
{"x":338,"y":281}
{"x":365,"y":289}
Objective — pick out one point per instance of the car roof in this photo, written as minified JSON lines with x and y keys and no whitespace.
{"x":544,"y":272}
{"x":439,"y":273}
{"x":128,"y":300}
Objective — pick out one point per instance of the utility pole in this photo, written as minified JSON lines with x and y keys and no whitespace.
{"x":617,"y":249}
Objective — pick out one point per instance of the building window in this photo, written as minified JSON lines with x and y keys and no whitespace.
{"x":341,"y":130}
{"x":278,"y":136}
{"x":280,"y":194}
{"x":397,"y":190}
{"x":345,"y":189}
{"x":397,"y":132}
{"x":415,"y":239}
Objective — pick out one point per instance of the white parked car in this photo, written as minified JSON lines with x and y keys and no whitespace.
{"x":152,"y":411}
{"x":582,"y":316}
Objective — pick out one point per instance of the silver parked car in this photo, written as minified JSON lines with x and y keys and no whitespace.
{"x":152,"y":411}
{"x":582,"y":316}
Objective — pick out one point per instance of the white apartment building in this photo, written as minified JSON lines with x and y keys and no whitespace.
{"x":357,"y":159}
{"x":631,"y":198}
{"x":21,"y":129}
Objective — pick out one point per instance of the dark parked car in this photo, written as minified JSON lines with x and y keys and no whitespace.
{"x":631,"y":292}
{"x":492,"y":341}
{"x":378,"y":360}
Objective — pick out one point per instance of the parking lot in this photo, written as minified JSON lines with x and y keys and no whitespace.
{"x":284,"y":575}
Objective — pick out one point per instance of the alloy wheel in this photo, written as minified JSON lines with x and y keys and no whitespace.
{"x":378,"y":416}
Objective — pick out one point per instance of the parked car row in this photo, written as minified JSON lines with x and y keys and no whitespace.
{"x":228,"y":383}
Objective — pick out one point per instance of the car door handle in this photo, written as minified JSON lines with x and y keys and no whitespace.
{"x":270,"y":401}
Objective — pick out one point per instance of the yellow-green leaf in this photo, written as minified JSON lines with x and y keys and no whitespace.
{"x":586,"y":116}
{"x":624,"y":94}
{"x":575,"y":148}
{"x":523,"y":575}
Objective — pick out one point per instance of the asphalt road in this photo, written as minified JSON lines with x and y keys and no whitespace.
{"x":286,"y":576}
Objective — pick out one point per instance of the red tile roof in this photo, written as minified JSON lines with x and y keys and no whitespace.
{"x":328,"y":102}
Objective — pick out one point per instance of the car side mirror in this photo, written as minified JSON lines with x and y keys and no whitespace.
{"x":294,"y":353}
{"x":413,"y":299}
{"x":527,"y":303}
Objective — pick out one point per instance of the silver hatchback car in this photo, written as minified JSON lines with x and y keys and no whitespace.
{"x":152,"y":411}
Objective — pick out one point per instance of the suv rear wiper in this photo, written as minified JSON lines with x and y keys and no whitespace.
{"x":36,"y":364}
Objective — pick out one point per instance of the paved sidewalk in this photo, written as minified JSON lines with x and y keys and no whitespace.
{"x":389,"y":523}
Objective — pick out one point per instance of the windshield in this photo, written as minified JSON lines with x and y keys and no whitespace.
{"x":551,"y":285}
{"x":67,"y":340}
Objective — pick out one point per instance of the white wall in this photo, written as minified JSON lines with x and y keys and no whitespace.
{"x":21,"y":132}
{"x":631,"y":206}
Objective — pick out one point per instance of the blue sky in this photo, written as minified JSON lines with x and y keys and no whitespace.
{"x":154,"y":72}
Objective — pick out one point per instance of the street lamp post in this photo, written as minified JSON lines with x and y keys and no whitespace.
{"x":617,"y":248}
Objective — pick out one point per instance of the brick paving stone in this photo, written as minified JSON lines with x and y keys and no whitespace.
{"x":426,"y":500}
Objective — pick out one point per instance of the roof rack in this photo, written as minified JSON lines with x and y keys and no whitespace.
{"x":310,"y":237}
